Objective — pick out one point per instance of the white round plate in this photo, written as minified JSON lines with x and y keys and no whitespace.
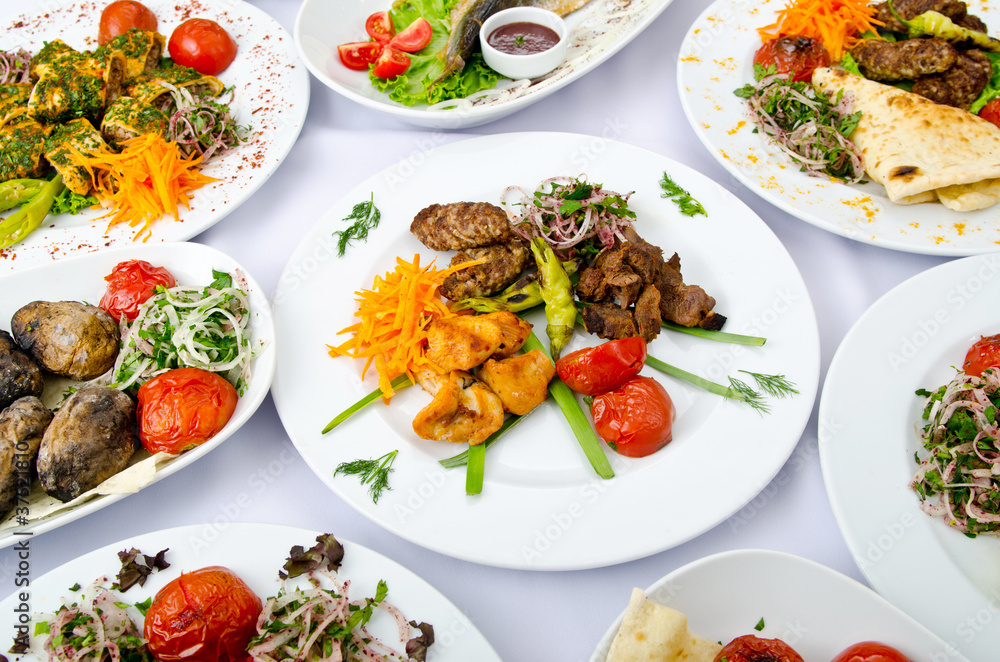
{"x":716,"y":58}
{"x":816,"y":610}
{"x":271,"y":96}
{"x":911,"y":338}
{"x":81,"y":278}
{"x":598,"y":30}
{"x":543,"y":507}
{"x":255,"y":552}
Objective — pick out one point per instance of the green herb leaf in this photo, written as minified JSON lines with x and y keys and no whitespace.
{"x":759,"y":626}
{"x":221,"y":280}
{"x":688,"y":205}
{"x":366,"y":217}
{"x":777,"y":386}
{"x":374,"y":473}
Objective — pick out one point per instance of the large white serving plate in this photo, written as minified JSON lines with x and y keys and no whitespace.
{"x":910,"y":338}
{"x":542,"y":506}
{"x":816,"y":610}
{"x":716,"y":59}
{"x":271,"y":96}
{"x":256,"y":552}
{"x":81,"y":278}
{"x":597,"y":31}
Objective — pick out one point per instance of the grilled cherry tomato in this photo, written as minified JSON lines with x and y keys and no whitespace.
{"x":793,"y":55}
{"x":596,"y":370}
{"x":119,"y":16}
{"x":636,"y":419}
{"x":991,"y":112}
{"x":203,"y":45}
{"x":414,"y":37}
{"x":750,"y":648}
{"x":379,"y":27}
{"x":130,"y":283}
{"x":208,"y":615}
{"x":183,"y":408}
{"x":982,"y":355}
{"x":359,"y":55}
{"x":870,"y":651}
{"x":391,"y":63}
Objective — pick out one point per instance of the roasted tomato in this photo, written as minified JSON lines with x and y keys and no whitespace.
{"x":751,"y":648}
{"x":414,"y":37}
{"x":208,"y":615}
{"x":596,"y":370}
{"x":130,"y":283}
{"x":183,"y":408}
{"x":359,"y":55}
{"x":637,"y":418}
{"x":391,"y":63}
{"x":203,"y":45}
{"x":793,"y":55}
{"x":379,"y":27}
{"x":119,"y":16}
{"x":870,"y":651}
{"x":991,"y":112}
{"x":983,"y":354}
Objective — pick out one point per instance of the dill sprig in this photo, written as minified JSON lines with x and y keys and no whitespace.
{"x":688,"y":205}
{"x":777,"y":386}
{"x":365,"y":216}
{"x":374,"y":473}
{"x":749,"y":396}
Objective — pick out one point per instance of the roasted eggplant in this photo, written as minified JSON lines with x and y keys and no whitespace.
{"x":22,"y":425}
{"x":67,"y":338}
{"x":19,"y":374}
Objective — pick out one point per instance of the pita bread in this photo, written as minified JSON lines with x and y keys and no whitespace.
{"x":919,"y":150}
{"x":655,"y":633}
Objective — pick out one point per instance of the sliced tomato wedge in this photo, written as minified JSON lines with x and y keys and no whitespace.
{"x":379,"y":27}
{"x":414,"y":37}
{"x":391,"y":63}
{"x":359,"y":55}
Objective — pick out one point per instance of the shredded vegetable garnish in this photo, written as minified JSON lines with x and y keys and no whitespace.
{"x":572,"y":215}
{"x":962,"y":467}
{"x":149,"y":178}
{"x":837,"y":24}
{"x":197,"y":327}
{"x":202,"y":125}
{"x":802,"y":121}
{"x":14,"y":67}
{"x":395,"y":315}
{"x":93,"y":629}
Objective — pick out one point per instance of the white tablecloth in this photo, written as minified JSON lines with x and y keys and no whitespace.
{"x":527,"y":616}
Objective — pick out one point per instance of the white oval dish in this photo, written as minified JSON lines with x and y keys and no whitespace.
{"x":81,"y":278}
{"x":524,"y":66}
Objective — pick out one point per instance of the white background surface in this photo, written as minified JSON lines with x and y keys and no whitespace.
{"x":257,"y":476}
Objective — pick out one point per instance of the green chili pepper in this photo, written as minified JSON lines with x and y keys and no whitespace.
{"x":938,"y":25}
{"x":25,"y":220}
{"x":522,"y":294}
{"x":16,"y":192}
{"x":557,"y":292}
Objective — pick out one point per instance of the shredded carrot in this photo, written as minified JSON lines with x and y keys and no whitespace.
{"x":394,"y":316}
{"x":147,"y":179}
{"x":837,"y":24}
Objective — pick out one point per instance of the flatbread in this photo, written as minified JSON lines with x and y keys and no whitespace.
{"x":920,"y":150}
{"x":651,"y":632}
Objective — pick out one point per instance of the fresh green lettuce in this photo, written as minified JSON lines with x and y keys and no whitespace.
{"x":992,"y":90}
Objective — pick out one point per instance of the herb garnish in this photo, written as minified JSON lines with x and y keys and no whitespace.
{"x":136,"y":567}
{"x":519,"y":40}
{"x":366,"y":217}
{"x":689,"y":206}
{"x":760,"y":625}
{"x":372,"y":472}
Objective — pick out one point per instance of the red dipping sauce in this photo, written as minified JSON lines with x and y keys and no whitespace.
{"x":522,"y":38}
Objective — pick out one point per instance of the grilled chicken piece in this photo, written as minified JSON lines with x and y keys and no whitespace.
{"x":504,"y":262}
{"x":521,"y":382}
{"x":462,"y":343}
{"x":21,"y":427}
{"x":464,"y":409}
{"x":903,"y":60}
{"x":515,"y":332}
{"x":460,"y":225}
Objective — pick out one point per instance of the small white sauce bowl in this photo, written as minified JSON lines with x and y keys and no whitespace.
{"x":525,"y":66}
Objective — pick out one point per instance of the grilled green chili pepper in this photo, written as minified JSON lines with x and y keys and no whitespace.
{"x":25,"y":220}
{"x":557,"y":292}
{"x":938,"y":25}
{"x":16,"y":192}
{"x":522,"y":294}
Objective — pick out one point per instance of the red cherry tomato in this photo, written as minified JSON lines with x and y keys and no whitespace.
{"x":130,"y":283}
{"x":751,"y":648}
{"x":596,"y":370}
{"x":870,"y":651}
{"x":183,"y":408}
{"x":391,"y":63}
{"x":636,"y":419}
{"x":359,"y":55}
{"x":793,"y":55}
{"x":414,"y":37}
{"x":379,"y":27}
{"x":991,"y":112}
{"x":208,"y":615}
{"x":983,"y":354}
{"x":119,"y":16}
{"x":203,"y":45}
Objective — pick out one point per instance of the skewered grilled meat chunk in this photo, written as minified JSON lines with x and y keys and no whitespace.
{"x":608,"y":321}
{"x":22,"y":425}
{"x":956,"y":10}
{"x":460,"y":225}
{"x":504,"y":262}
{"x":903,"y":60}
{"x":687,"y":305}
{"x":960,"y":85}
{"x":20,"y":376}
